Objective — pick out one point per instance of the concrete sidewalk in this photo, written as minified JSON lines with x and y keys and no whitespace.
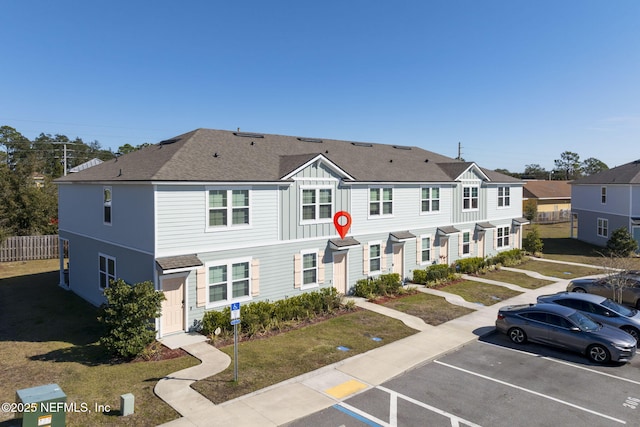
{"x":320,"y":389}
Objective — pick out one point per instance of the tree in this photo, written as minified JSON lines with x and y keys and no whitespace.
{"x":535,"y":171}
{"x":128,"y":317}
{"x":530,"y":210}
{"x":568,"y":165}
{"x":532,"y":242}
{"x":621,"y":243}
{"x":592,"y":166}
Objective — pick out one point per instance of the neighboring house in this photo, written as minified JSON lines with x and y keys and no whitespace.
{"x":551,"y":198}
{"x":215,"y":217}
{"x":606,"y":201}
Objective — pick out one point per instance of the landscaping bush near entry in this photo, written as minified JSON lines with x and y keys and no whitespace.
{"x":435,"y":273}
{"x":383,"y":285}
{"x":264,"y":316}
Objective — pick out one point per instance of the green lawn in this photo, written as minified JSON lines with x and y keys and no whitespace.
{"x":48,"y":335}
{"x":434,"y":310}
{"x":479,"y":292}
{"x":520,"y":279}
{"x":265,"y":362}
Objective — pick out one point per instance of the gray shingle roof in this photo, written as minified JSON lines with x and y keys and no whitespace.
{"x":215,"y":155}
{"x":628,"y":173}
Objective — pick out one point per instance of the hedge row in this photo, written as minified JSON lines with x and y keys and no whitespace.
{"x":383,"y":285}
{"x":263,"y":316}
{"x":438,"y":273}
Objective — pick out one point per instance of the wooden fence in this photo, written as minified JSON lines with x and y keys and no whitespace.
{"x":26,"y":248}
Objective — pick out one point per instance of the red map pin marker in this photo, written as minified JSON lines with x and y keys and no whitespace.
{"x":342,"y":221}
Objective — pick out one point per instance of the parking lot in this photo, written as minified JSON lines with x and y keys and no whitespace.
{"x":492,"y":382}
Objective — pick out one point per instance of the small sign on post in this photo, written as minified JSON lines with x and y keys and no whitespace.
{"x":235,"y":320}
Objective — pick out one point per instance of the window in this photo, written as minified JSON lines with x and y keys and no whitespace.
{"x":106,"y":203}
{"x":504,"y":198}
{"x":426,"y":249}
{"x":224,"y":287}
{"x":380,"y":201}
{"x":603,"y":227}
{"x":107,"y":270}
{"x":430,"y":199}
{"x":469,"y":198}
{"x":228,"y":208}
{"x":603,"y":195}
{"x":503,"y":237}
{"x":309,"y":269}
{"x":317,"y":204}
{"x":466,"y":243}
{"x":375,"y":258}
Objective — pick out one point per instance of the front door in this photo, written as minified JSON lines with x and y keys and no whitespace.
{"x":398,"y":260}
{"x":173,"y":306}
{"x":340,"y":272}
{"x":444,"y":250}
{"x":481,"y":244}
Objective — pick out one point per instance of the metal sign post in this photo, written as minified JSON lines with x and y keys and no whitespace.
{"x":235,"y":320}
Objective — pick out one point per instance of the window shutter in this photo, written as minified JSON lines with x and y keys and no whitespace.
{"x":365,"y":259}
{"x":297,"y":271}
{"x":460,"y":240}
{"x":255,"y":277}
{"x":320,"y":267}
{"x":418,"y":250}
{"x":495,"y":238}
{"x":201,"y":287}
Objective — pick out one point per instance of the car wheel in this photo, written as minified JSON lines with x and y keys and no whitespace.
{"x":579,"y":291}
{"x":631,"y":331}
{"x":517,"y":336}
{"x":598,"y":353}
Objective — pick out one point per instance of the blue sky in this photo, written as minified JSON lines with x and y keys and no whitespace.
{"x":515,"y":82}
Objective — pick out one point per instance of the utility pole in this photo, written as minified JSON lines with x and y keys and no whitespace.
{"x":64,"y":156}
{"x":459,"y":151}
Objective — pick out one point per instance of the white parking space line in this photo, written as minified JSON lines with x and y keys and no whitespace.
{"x":455,"y":420}
{"x":530,"y":391}
{"x":365,"y":416}
{"x":562,"y":362}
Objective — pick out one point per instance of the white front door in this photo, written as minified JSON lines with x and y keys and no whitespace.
{"x":173,"y":306}
{"x":340,"y":272}
{"x":398,"y":260}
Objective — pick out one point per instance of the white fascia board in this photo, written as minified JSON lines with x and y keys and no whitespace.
{"x":321,"y":159}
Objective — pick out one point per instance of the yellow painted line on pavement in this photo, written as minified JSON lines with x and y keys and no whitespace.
{"x":345,"y":389}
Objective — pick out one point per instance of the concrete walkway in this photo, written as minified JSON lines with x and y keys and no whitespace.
{"x":320,"y":389}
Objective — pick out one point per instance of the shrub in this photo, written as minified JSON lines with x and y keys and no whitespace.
{"x":532,"y":242}
{"x":385,"y":284}
{"x":508,"y":258}
{"x":470,"y":265}
{"x":420,"y":276}
{"x":439,"y":273}
{"x":621,"y":243}
{"x":128,"y":317}
{"x":216,"y":319}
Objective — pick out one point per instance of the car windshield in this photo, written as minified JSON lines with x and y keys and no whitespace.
{"x":584,"y":322}
{"x":620,"y":309}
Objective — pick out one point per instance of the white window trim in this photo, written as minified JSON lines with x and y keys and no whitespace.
{"x":393,"y":202}
{"x":317,"y":204}
{"x":375,"y":272}
{"x":603,"y":193}
{"x":470,"y":186}
{"x":430,"y":260}
{"x":430,"y":211}
{"x":462,"y":254}
{"x":105,"y":204}
{"x":229,"y":225}
{"x":605,"y":226}
{"x":503,"y":197}
{"x":498,"y":238}
{"x":229,"y":263}
{"x":115,"y":269}
{"x":315,"y":284}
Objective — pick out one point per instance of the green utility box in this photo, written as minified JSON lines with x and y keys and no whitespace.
{"x":42,"y":406}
